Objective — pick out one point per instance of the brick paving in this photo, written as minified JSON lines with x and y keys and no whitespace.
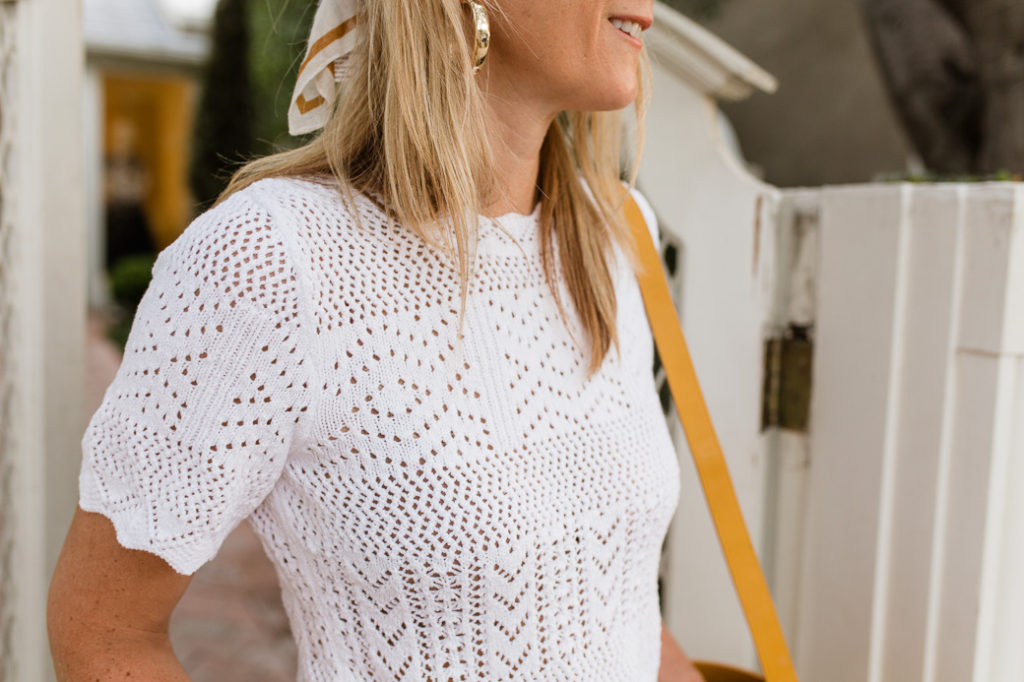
{"x":230,"y":626}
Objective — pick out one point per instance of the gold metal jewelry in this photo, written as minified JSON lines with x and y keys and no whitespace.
{"x":482,"y":34}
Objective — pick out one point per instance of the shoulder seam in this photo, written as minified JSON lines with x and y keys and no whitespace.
{"x":303,"y":295}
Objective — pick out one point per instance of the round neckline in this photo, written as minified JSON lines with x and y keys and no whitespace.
{"x":517,"y":224}
{"x":509,"y":233}
{"x":512,"y":215}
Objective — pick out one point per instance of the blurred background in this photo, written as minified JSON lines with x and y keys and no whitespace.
{"x":838,"y":185}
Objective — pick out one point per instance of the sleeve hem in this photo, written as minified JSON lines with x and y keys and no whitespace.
{"x":133,"y":527}
{"x":184,"y":562}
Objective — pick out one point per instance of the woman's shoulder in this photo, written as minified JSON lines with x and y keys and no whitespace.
{"x":312,"y":207}
{"x":283,"y":186}
{"x":312,"y":193}
{"x":243,"y":245}
{"x":261,"y":215}
{"x":279,"y":195}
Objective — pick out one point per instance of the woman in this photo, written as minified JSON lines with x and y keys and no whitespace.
{"x":449,"y":489}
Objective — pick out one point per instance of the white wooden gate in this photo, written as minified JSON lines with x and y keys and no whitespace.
{"x":913,"y":566}
{"x":891,"y":522}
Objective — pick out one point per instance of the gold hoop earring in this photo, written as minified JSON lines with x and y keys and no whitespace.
{"x":481,"y":34}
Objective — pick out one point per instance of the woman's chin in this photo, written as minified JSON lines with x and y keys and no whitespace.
{"x":604,"y":93}
{"x":614,"y":100}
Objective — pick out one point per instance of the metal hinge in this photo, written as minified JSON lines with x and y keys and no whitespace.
{"x":787,"y":380}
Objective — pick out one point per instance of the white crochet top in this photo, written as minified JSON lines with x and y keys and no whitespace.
{"x":433,"y":512}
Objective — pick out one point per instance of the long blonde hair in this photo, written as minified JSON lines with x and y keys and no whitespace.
{"x":409,"y":129}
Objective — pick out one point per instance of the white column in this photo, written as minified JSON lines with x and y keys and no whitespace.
{"x":48,"y":273}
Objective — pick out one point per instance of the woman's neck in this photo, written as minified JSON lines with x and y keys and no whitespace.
{"x":516,"y":139}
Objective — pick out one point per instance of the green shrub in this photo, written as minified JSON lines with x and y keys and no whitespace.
{"x":128,"y":279}
{"x":930,"y":177}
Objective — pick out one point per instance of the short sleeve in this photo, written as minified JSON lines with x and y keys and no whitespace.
{"x":212,"y":393}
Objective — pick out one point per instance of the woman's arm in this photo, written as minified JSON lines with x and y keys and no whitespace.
{"x":109,"y":608}
{"x":675,"y":666}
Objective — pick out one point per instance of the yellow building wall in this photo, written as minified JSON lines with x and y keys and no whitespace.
{"x":160,"y":107}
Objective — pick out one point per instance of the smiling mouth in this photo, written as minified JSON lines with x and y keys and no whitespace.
{"x":630,"y":28}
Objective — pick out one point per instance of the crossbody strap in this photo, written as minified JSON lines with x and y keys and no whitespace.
{"x":707,"y":455}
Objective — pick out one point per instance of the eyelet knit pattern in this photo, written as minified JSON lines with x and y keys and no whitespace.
{"x":434,"y":510}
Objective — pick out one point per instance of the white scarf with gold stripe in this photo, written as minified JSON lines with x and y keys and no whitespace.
{"x":330,"y":42}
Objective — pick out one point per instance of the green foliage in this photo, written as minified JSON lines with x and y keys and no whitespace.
{"x":930,"y":177}
{"x":225,"y":120}
{"x":256,"y":49}
{"x":129,"y":279}
{"x":118,"y":330}
{"x":279,"y":31}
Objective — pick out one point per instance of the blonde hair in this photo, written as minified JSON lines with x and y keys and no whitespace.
{"x":409,"y":129}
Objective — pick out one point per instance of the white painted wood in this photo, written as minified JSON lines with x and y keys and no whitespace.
{"x":992,"y":285}
{"x":1000,"y":653}
{"x":983,"y":566}
{"x":931,"y":317}
{"x":893,"y":533}
{"x":964,"y":513}
{"x":913,"y":565}
{"x":801,"y":295}
{"x":970,"y":471}
{"x":26,"y":537}
{"x":49,"y":276}
{"x":863,"y":237}
{"x":794,"y":304}
{"x":786,"y":535}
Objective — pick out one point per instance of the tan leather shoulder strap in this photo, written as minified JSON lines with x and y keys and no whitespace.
{"x":707,"y":455}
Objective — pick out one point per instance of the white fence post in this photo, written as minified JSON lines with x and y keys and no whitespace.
{"x":42,"y":258}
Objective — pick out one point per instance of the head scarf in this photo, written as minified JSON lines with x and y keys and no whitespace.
{"x":330,"y":43}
